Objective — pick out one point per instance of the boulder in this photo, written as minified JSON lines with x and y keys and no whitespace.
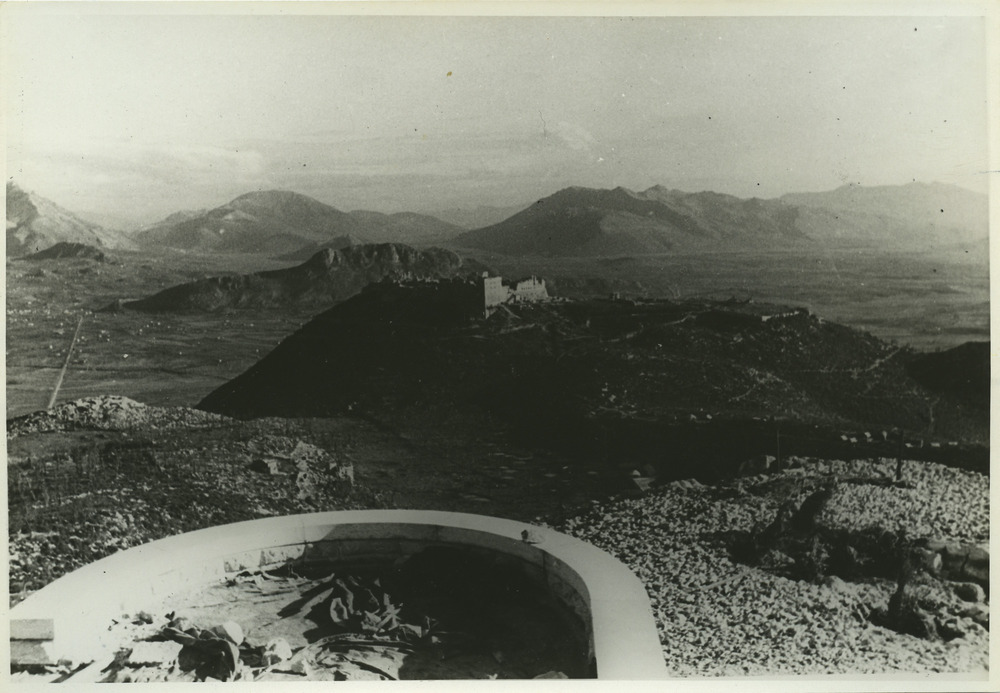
{"x":979,"y":613}
{"x":266,"y":466}
{"x":276,"y":650}
{"x":758,"y":464}
{"x":967,"y":562}
{"x":154,"y":652}
{"x":969,"y":592}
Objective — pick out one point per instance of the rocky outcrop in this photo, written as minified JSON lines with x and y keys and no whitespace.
{"x":65,"y":250}
{"x":35,"y":223}
{"x":326,"y":278}
{"x":109,"y":413}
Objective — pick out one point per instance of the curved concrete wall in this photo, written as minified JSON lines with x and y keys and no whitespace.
{"x":607,"y":597}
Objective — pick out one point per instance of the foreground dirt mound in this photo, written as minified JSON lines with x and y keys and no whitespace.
{"x":110,"y":413}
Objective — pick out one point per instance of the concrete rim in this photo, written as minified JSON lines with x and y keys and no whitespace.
{"x":624,"y":638}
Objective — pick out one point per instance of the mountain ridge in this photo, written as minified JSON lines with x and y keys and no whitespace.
{"x":35,"y":223}
{"x":288,"y":224}
{"x":581,"y":221}
{"x":599,"y":222}
{"x":327,"y":277}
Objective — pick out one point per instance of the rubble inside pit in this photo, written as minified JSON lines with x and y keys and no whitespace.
{"x":430,"y":618}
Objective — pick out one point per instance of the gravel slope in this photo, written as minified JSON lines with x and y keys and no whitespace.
{"x":719,"y":618}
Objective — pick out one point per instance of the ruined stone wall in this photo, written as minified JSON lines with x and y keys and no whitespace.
{"x":531,"y":289}
{"x":494,"y":292}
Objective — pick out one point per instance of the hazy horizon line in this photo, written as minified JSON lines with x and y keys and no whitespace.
{"x":102,"y":217}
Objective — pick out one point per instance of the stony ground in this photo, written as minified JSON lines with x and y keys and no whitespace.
{"x":718,"y":617}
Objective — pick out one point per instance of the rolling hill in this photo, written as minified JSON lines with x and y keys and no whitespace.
{"x":923,"y":213}
{"x":566,"y":370}
{"x":278,"y":222}
{"x":271,"y":221}
{"x":327,"y":277}
{"x":593,"y":222}
{"x":404,"y":227}
{"x":587,"y":222}
{"x":35,"y":223}
{"x":477,"y":217}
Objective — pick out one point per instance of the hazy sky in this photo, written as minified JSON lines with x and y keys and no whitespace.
{"x":139,"y":116}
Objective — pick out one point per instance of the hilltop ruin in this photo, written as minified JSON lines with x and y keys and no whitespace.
{"x":497,"y":292}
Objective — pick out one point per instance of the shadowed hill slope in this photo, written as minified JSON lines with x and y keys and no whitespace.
{"x":593,"y":222}
{"x":555,"y":366}
{"x":962,"y":372}
{"x":585,"y":222}
{"x":64,"y":249}
{"x":327,"y":277}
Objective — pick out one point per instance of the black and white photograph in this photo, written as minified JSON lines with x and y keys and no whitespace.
{"x":427,"y":341}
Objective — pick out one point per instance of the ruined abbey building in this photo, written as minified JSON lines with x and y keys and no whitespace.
{"x":497,"y":292}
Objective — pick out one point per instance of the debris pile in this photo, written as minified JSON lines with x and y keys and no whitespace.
{"x":308,"y":465}
{"x":369,"y":644}
{"x":346,"y":626}
{"x":719,"y":614}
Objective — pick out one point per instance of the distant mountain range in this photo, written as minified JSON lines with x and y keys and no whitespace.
{"x":916,"y":213}
{"x":35,"y":223}
{"x":576,"y":221}
{"x":278,"y":222}
{"x":479,"y":216}
{"x":593,"y":222}
{"x":327,"y":277}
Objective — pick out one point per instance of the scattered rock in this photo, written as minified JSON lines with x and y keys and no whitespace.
{"x":822,"y":628}
{"x":276,"y":650}
{"x":266,"y":466}
{"x":145,"y":652}
{"x":756,"y":465}
{"x":776,"y":561}
{"x":929,"y":560}
{"x":837,"y":584}
{"x":552,"y":675}
{"x":231,"y":631}
{"x":979,"y":613}
{"x":530,"y":536}
{"x":966,"y":562}
{"x":951,"y":628}
{"x":109,"y":413}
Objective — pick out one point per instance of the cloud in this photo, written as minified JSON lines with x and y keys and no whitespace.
{"x":574,"y":136}
{"x":144,"y":179}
